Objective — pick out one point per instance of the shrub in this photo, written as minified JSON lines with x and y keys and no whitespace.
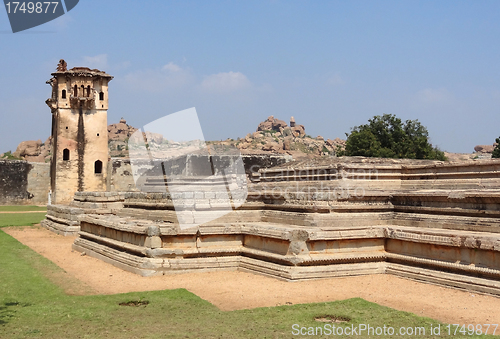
{"x":387,"y":137}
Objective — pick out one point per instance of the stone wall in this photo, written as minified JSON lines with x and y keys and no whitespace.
{"x":39,"y":182}
{"x":23,"y":183}
{"x":121,"y":175}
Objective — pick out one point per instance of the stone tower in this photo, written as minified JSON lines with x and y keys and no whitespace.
{"x":79,"y":106}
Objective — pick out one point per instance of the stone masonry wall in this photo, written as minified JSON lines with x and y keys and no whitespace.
{"x":121,"y":179}
{"x":23,"y":183}
{"x":39,"y":182}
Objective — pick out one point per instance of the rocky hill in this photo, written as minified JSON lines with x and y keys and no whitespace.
{"x":272,"y":136}
{"x":275,"y":136}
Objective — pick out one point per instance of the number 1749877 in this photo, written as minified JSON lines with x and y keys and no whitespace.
{"x":454,"y":329}
{"x":31,"y":7}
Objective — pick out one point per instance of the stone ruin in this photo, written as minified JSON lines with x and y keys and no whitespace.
{"x":425,"y":220}
{"x":437,"y":222}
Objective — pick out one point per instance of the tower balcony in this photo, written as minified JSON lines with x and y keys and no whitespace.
{"x":83,"y":102}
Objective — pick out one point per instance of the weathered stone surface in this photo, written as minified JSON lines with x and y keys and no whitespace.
{"x":28,"y":148}
{"x":310,"y":221}
{"x":484,"y":148}
{"x":273,"y":124}
{"x":23,"y":183}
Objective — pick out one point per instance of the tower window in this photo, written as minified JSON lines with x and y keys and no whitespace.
{"x":75,"y":89}
{"x":82,"y":93}
{"x":63,"y":94}
{"x":88,"y":90}
{"x":98,"y":167}
{"x":97,"y":134}
{"x":66,"y":154}
{"x":101,"y":95}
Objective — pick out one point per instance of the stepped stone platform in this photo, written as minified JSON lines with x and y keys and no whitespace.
{"x":430,"y":221}
{"x":65,"y":219}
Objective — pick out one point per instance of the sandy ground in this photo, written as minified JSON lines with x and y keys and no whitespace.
{"x":240,"y":290}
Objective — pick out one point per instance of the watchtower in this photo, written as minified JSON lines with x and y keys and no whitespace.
{"x":79,"y":106}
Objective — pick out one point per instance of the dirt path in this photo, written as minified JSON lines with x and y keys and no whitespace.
{"x":239,"y":290}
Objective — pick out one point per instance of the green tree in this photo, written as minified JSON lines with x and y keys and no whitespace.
{"x":496,"y":151}
{"x":388,"y":137}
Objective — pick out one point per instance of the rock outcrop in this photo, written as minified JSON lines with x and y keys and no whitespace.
{"x":34,"y":151}
{"x":120,"y":131}
{"x":275,"y":136}
{"x":28,"y":149}
{"x":485,"y":148}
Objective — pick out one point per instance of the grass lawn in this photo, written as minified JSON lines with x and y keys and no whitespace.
{"x":22,"y":208}
{"x":21,"y":219}
{"x":31,"y":306}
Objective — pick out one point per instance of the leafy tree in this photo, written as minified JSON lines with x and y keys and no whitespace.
{"x":387,"y":137}
{"x":496,"y":151}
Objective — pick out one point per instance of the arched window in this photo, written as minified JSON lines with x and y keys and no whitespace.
{"x":75,"y":89}
{"x":101,"y":95}
{"x":63,"y":94}
{"x":88,"y":90}
{"x":82,"y":93}
{"x":66,"y":154}
{"x":98,"y":167}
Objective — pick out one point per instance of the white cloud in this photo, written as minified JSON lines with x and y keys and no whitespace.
{"x":170,"y":76}
{"x":171,"y":67}
{"x":434,"y":96}
{"x":225,"y":82}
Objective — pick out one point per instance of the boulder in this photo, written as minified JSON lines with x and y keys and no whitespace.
{"x":28,"y":148}
{"x":484,"y":148}
{"x":272,"y":147}
{"x":298,"y":131}
{"x":120,"y":131}
{"x":287,"y":145}
{"x":287,"y":131}
{"x":257,"y":135}
{"x":272,"y":124}
{"x":243,"y":145}
{"x":265,"y":126}
{"x":277,"y":124}
{"x":154,"y":138}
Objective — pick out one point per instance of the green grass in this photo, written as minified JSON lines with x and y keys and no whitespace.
{"x":31,"y":306}
{"x":21,"y":219}
{"x":22,"y":208}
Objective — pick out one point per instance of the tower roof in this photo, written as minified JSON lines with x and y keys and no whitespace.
{"x":83,"y":71}
{"x":79,"y":71}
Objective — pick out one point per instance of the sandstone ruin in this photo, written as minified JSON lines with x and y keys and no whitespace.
{"x":79,"y":105}
{"x":432,"y":221}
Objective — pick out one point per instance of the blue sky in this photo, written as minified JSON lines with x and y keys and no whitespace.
{"x":330,"y":64}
